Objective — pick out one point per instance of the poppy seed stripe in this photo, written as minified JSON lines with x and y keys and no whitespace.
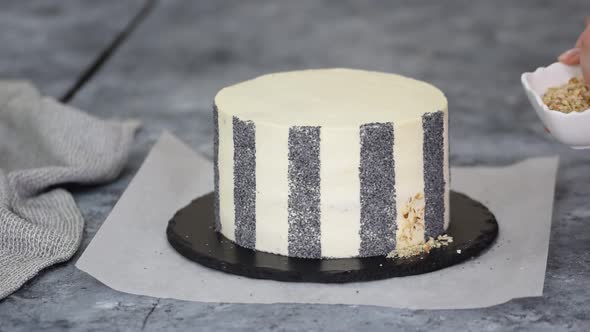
{"x":245,"y":182}
{"x":377,"y":194}
{"x":216,"y":168}
{"x":304,"y":192}
{"x":434,"y":181}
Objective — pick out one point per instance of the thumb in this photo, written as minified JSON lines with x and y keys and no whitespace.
{"x":585,"y":55}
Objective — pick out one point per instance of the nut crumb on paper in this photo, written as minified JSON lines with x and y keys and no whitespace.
{"x":574,"y":96}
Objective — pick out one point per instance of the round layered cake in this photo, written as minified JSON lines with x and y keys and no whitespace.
{"x":331,"y":163}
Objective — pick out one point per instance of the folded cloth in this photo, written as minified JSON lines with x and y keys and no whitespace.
{"x":45,"y":144}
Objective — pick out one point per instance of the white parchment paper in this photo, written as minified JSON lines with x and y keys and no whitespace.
{"x":130,"y":252}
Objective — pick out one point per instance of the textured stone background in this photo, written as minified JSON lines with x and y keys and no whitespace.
{"x":168,"y":71}
{"x":51,"y":42}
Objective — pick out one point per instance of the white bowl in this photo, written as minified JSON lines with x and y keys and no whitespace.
{"x":572,"y":129}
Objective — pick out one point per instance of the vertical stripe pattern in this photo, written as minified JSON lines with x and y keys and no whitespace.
{"x":216,"y":168}
{"x":434,"y":181}
{"x":272,"y":188}
{"x":409,"y":181}
{"x":245,"y":182}
{"x":447,"y":172}
{"x":339,"y":191}
{"x":377,"y":184}
{"x":226,"y":175}
{"x":304,"y":192}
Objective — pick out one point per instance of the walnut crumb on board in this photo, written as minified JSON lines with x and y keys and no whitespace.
{"x":574,"y":96}
{"x":426,"y":247}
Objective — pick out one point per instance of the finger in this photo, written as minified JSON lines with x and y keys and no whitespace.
{"x":585,"y":55}
{"x":579,"y":41}
{"x":585,"y":65}
{"x":570,"y":57}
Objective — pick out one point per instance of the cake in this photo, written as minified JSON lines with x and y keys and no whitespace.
{"x":331,"y":163}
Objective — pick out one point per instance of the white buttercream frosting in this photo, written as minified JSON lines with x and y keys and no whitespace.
{"x":338,"y":101}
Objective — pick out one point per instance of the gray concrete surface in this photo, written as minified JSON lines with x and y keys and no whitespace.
{"x":168,"y":72}
{"x":51,"y":42}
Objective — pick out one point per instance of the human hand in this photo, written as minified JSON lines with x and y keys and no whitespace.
{"x":580,"y":54}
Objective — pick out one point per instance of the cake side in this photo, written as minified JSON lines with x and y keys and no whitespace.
{"x":331,"y":191}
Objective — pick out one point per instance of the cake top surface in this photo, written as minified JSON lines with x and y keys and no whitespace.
{"x":330,"y":97}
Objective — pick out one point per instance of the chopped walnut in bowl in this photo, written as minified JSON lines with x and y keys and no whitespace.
{"x":574,"y":96}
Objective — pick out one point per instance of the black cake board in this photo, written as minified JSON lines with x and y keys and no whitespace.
{"x":192,"y":233}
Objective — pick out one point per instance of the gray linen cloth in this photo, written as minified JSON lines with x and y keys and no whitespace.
{"x":45,"y":144}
